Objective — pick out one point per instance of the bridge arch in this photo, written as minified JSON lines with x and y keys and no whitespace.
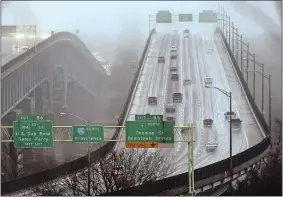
{"x":25,"y":73}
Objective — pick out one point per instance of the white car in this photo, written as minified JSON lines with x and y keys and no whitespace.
{"x":25,"y":47}
{"x":210,"y":50}
{"x":16,"y":47}
{"x":173,"y":48}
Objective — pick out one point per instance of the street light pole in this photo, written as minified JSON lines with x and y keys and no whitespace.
{"x":88,"y":147}
{"x":262,"y":91}
{"x":233,"y":46}
{"x":149,"y":24}
{"x":241,"y":53}
{"x":254,"y":76}
{"x":229,"y":31}
{"x":226,"y":23}
{"x":248,"y":48}
{"x":228,"y":94}
{"x":237,"y":40}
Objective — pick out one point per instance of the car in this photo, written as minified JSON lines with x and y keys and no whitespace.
{"x":208,"y":122}
{"x":16,"y":47}
{"x":187,"y":81}
{"x":211,"y":146}
{"x":173,"y":48}
{"x":25,"y":47}
{"x":227,"y":115}
{"x":177,"y":97}
{"x":173,"y":55}
{"x":208,"y":81}
{"x":173,"y":67}
{"x":152,"y":100}
{"x":186,"y":33}
{"x":210,"y":50}
{"x":236,"y":122}
{"x":171,"y":119}
{"x":161,"y":59}
{"x":170,"y":108}
{"x":174,"y":77}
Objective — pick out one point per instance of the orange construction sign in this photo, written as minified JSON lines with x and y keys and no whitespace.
{"x":141,"y":145}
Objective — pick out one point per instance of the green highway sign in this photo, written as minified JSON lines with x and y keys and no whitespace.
{"x":33,"y":134}
{"x":163,"y":17}
{"x":150,"y":132}
{"x":95,"y":133}
{"x":208,"y":16}
{"x":148,"y":117}
{"x":167,"y":137}
{"x":32,"y":118}
{"x":185,"y":17}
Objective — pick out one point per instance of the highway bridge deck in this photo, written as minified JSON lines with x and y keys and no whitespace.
{"x":196,"y":62}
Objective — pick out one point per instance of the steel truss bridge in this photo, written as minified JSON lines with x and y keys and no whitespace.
{"x":63,"y":60}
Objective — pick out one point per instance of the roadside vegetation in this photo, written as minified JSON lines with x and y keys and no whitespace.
{"x":118,"y":170}
{"x":266,"y":178}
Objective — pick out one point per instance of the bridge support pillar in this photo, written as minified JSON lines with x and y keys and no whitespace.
{"x":38,"y":101}
{"x":26,"y":106}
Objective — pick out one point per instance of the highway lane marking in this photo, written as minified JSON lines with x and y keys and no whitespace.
{"x":234,"y":103}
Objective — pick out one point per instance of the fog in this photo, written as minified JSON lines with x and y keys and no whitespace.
{"x":108,"y":26}
{"x":119,"y":30}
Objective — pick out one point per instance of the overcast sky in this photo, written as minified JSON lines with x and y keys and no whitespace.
{"x":106,"y":16}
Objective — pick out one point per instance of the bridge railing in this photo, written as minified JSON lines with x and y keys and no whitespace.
{"x":218,"y":170}
{"x":251,"y":100}
{"x":80,"y":163}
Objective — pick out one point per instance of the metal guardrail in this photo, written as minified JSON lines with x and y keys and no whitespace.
{"x":80,"y":163}
{"x":201,"y":174}
{"x":257,"y":112}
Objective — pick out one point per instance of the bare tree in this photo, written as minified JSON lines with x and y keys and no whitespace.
{"x":11,"y":162}
{"x":118,"y":170}
{"x":50,"y":188}
{"x":266,"y":178}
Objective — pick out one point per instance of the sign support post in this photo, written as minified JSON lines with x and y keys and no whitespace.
{"x":88,"y":153}
{"x":191,"y":184}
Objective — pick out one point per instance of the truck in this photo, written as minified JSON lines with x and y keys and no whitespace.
{"x":161,"y":59}
{"x":177,"y":97}
{"x":174,"y":77}
{"x":152,"y":100}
